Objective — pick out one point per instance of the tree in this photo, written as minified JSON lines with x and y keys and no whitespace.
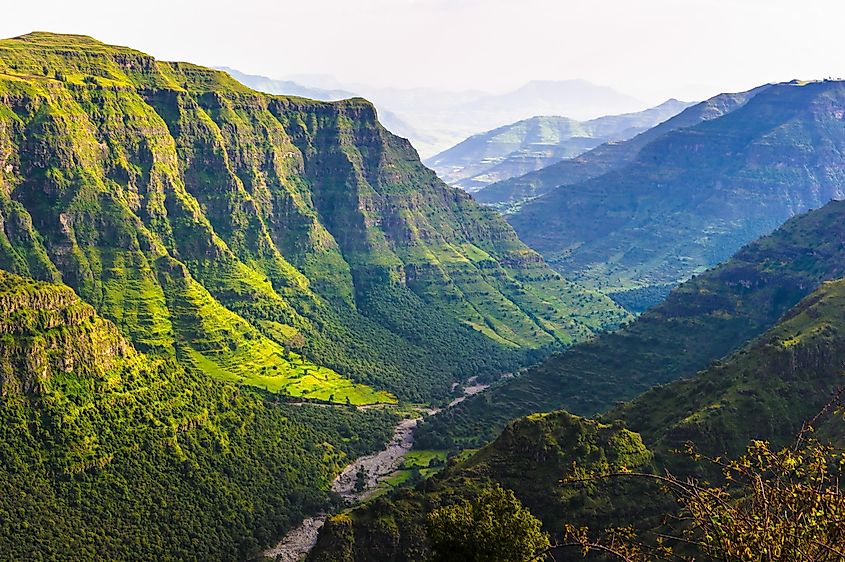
{"x":774,"y":505}
{"x":494,"y":527}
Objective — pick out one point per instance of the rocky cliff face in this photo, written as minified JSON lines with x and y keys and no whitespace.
{"x":228,"y":227}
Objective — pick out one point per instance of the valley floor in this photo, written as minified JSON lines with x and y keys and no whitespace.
{"x":379,"y":469}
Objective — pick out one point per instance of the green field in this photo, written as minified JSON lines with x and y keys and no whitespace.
{"x":422,"y":459}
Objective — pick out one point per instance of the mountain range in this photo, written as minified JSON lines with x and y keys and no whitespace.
{"x":767,"y":388}
{"x":182,"y":256}
{"x":434,"y":120}
{"x":694,"y":195}
{"x":531,"y":144}
{"x":509,"y":194}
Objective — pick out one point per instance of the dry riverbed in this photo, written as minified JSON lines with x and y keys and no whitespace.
{"x":375,"y":469}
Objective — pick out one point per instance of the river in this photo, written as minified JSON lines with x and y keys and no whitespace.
{"x":377,"y":467}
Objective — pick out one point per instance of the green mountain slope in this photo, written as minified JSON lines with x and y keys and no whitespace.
{"x":702,"y":320}
{"x":765,"y":390}
{"x":108,"y":453}
{"x":531,"y":144}
{"x":529,"y":457}
{"x":508,"y":195}
{"x":694,"y":196}
{"x":280,"y":242}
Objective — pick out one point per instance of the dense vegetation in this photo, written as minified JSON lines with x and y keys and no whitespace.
{"x":288,"y":244}
{"x":701,"y":321}
{"x":528,"y":458}
{"x":693,"y":196}
{"x":108,"y":453}
{"x":554,"y":463}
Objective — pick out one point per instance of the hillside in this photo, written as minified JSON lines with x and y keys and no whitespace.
{"x":765,"y":390}
{"x":531,"y":144}
{"x":508,"y":195}
{"x":694,"y":196}
{"x":108,"y":453}
{"x":390,"y":120}
{"x":544,"y":446}
{"x":702,"y":320}
{"x":279,"y":242}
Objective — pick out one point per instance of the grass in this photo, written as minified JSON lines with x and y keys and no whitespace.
{"x":422,"y":458}
{"x":294,"y":376}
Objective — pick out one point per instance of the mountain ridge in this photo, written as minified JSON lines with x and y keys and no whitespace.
{"x":277,"y":241}
{"x":530,"y":144}
{"x":692,"y":197}
{"x":508,"y":194}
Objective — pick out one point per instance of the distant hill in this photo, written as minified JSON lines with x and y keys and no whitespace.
{"x":439,"y":118}
{"x":534,"y":143}
{"x":765,"y":390}
{"x":692,"y":197}
{"x":702,"y":320}
{"x":508,"y":195}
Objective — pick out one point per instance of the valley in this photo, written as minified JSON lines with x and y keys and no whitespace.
{"x":369,"y":476}
{"x":241,"y":318}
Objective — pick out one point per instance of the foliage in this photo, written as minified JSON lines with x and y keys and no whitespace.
{"x":287,"y":244}
{"x":108,"y":453}
{"x":494,"y":527}
{"x":528,"y":459}
{"x":774,"y":505}
{"x":701,"y":321}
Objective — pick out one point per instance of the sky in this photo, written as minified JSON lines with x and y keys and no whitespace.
{"x":651,"y":49}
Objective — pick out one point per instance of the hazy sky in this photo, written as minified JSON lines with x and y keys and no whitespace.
{"x":648,"y":48}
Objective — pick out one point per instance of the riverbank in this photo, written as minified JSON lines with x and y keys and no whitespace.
{"x":360,"y":480}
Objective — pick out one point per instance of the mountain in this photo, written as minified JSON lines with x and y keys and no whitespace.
{"x":285,"y":243}
{"x":693,"y":196}
{"x":766,"y":390}
{"x":442,"y":118}
{"x":534,"y":143}
{"x":286,"y":87}
{"x":529,"y":457}
{"x":578,"y":99}
{"x":290,"y":88}
{"x":510,"y":193}
{"x":702,"y":320}
{"x":109,"y":453}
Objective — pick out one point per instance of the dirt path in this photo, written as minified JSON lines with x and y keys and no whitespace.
{"x":377,"y":466}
